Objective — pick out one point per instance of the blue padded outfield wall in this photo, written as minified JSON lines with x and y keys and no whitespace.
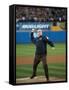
{"x":23,"y":31}
{"x":55,"y":36}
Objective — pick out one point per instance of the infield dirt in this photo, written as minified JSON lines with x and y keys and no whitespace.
{"x":50,"y":59}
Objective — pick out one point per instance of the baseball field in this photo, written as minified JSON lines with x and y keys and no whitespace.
{"x":56,"y":60}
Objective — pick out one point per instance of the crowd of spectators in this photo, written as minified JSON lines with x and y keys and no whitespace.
{"x":40,"y":14}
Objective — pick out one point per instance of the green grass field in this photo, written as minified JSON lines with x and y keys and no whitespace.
{"x":55,"y":69}
{"x":29,"y":49}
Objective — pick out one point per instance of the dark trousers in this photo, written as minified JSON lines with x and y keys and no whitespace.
{"x":37,"y":60}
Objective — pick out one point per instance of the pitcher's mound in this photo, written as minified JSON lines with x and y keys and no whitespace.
{"x":37,"y":79}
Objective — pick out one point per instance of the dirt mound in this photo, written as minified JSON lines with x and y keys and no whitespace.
{"x":37,"y":79}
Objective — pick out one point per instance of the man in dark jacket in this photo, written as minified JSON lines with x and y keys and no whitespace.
{"x":41,"y":52}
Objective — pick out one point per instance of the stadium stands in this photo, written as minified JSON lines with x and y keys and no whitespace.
{"x":40,"y":14}
{"x":53,"y":18}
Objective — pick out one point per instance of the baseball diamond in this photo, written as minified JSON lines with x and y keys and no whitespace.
{"x":55,"y":60}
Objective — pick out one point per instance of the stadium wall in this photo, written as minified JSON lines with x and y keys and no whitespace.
{"x":58,"y":37}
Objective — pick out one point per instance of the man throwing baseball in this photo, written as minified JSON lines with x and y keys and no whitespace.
{"x":41,"y":52}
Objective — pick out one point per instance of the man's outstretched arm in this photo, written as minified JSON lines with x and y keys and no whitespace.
{"x":32,"y":37}
{"x":49,"y":42}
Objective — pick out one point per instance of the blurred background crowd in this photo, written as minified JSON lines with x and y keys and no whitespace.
{"x":40,"y":14}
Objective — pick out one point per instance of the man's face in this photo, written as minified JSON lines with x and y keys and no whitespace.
{"x":39,"y":33}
